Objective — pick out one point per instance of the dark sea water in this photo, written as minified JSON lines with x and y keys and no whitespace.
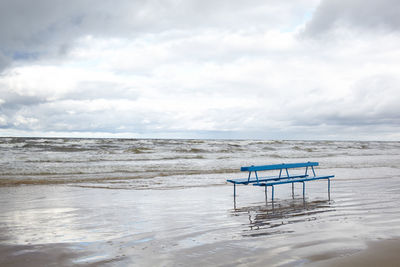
{"x":163,"y":163}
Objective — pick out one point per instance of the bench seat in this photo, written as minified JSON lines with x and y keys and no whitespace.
{"x":288,"y":181}
{"x":247,"y":181}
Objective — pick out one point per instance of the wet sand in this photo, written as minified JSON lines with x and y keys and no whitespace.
{"x":64,"y":225}
{"x":42,"y":255}
{"x":378,"y":253}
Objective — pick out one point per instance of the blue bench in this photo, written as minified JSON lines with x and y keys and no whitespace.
{"x":283,"y":178}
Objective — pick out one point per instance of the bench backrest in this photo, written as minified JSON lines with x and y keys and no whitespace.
{"x":278,"y":166}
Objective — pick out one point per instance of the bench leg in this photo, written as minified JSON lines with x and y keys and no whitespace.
{"x":266,"y":197}
{"x":272,"y":193}
{"x":329,"y":189}
{"x":234,"y":190}
{"x":293,"y":190}
{"x":304,"y":189}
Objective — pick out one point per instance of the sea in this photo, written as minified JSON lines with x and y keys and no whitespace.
{"x":172,"y":163}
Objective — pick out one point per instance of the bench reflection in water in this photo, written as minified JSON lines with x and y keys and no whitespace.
{"x":269,"y":219}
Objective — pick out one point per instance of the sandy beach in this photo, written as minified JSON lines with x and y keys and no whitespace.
{"x":70,"y":225}
{"x":378,"y":253}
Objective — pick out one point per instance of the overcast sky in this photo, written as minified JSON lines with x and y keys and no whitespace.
{"x":267,"y":69}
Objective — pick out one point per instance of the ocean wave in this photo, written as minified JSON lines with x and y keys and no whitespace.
{"x":65,"y":160}
{"x":117,"y":176}
{"x":191,"y":150}
{"x":138,"y":150}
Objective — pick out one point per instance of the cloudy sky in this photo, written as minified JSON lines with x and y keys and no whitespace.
{"x":265,"y":69}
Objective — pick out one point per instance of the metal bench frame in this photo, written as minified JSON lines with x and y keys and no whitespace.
{"x":280,"y":179}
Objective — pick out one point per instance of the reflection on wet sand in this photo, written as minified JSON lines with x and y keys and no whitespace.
{"x":266,"y":219}
{"x":68,"y":225}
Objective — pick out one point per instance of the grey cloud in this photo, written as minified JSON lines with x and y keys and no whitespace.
{"x":13,"y":100}
{"x":49,"y":28}
{"x":360,"y":14}
{"x":101,"y":90}
{"x":4,"y":61}
{"x":43,"y":27}
{"x":11,"y":105}
{"x":56,"y":116}
{"x":68,"y":111}
{"x":372,"y":102}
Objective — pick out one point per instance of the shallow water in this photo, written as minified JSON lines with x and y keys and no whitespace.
{"x":184,"y":213}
